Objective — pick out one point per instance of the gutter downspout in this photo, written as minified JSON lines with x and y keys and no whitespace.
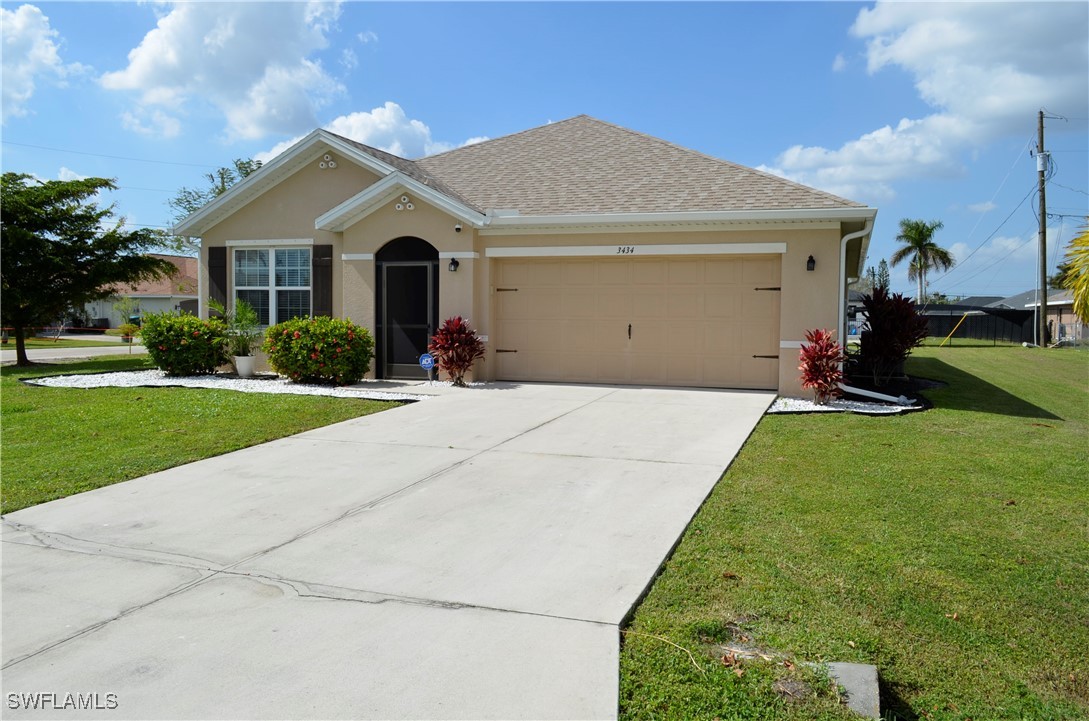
{"x":866,"y":229}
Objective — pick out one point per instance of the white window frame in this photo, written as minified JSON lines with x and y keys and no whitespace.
{"x":271,"y":287}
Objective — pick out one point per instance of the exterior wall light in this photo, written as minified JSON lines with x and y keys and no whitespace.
{"x":453,"y":265}
{"x":810,"y":264}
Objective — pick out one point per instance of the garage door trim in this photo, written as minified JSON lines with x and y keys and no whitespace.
{"x":629,"y":250}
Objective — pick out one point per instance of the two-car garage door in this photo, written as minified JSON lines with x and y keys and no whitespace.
{"x":678,"y":321}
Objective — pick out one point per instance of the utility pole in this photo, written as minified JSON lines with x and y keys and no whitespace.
{"x":1041,"y":171}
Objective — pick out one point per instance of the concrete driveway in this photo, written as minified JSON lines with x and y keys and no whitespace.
{"x":467,"y":556}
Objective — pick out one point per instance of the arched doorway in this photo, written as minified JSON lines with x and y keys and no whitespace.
{"x":406,"y":305}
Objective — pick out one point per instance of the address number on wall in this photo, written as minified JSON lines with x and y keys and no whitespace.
{"x":625,"y":249}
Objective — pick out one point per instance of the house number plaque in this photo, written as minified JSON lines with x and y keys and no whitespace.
{"x":625,"y":249}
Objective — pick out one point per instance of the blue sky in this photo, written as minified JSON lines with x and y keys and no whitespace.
{"x":922,"y":110}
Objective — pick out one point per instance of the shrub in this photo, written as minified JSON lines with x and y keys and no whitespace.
{"x":184,"y":345}
{"x":893,"y":328}
{"x":319,"y":350}
{"x":456,"y":347}
{"x":821,"y":358}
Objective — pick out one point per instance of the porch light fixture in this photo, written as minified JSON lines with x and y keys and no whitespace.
{"x":453,"y":265}
{"x":810,"y":264}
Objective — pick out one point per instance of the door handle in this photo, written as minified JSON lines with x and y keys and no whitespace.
{"x":629,"y":331}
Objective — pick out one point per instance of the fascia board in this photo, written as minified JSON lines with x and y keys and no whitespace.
{"x":359,"y":206}
{"x":270,"y":175}
{"x":670,"y":218}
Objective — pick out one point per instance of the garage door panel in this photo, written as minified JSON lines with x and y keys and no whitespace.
{"x":694,"y":320}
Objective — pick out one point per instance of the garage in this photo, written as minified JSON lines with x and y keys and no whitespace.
{"x":706,"y":321}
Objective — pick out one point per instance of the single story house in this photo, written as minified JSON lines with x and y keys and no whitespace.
{"x":581,"y":251}
{"x":174,"y":294}
{"x":1063,"y":326}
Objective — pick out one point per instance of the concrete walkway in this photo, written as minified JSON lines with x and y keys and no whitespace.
{"x":467,"y":556}
{"x":101,"y":348}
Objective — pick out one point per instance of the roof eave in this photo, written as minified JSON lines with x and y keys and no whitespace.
{"x":793,"y":215}
{"x":270,"y":175}
{"x":359,"y":206}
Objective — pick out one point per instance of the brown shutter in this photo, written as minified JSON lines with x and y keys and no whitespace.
{"x":217,"y":274}
{"x":322,"y":282}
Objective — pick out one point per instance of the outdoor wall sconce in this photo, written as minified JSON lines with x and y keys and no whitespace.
{"x":810,"y":264}
{"x":453,"y":265}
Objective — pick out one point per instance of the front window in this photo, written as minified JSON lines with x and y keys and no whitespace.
{"x":275,"y":281}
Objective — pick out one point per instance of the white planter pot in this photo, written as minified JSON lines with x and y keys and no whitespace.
{"x":244,"y":364}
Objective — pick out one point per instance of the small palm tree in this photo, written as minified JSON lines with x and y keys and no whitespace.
{"x":918,"y":237}
{"x":1076,"y":277}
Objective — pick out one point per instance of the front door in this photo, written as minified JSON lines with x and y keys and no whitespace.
{"x":408,"y":317}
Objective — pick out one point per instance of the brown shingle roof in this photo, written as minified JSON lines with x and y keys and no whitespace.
{"x":585,"y":165}
{"x":183,"y":283}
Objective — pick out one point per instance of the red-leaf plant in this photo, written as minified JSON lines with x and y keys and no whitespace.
{"x":821,"y":370}
{"x":456,"y":347}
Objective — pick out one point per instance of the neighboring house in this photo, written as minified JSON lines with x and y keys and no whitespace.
{"x":581,"y":251}
{"x":176,"y":293}
{"x":1062,"y":324}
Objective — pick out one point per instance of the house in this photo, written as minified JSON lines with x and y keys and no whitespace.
{"x":176,"y":293}
{"x":581,"y":251}
{"x":1062,"y":325}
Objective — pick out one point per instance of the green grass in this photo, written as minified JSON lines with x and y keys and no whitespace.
{"x":950,"y":548}
{"x":65,"y":343}
{"x":60,"y":441}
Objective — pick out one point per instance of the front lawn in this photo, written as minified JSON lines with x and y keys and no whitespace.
{"x":950,"y":548}
{"x":60,"y":441}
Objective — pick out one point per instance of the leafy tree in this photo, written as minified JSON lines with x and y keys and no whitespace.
{"x":1076,"y":277}
{"x":59,"y":251}
{"x":189,"y":200}
{"x":883,"y":280}
{"x":1062,"y":276}
{"x":869,"y":281}
{"x":920,"y":248}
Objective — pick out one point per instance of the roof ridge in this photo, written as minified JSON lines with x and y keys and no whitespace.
{"x":698,"y":153}
{"x":549,"y":124}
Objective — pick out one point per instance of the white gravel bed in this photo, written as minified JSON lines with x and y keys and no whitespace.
{"x":798,"y":405}
{"x":259,"y":384}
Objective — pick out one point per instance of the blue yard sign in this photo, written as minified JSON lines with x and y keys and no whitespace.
{"x":427,"y":361}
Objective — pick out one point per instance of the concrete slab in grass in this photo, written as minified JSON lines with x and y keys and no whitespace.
{"x":51,"y":595}
{"x":558,"y":535}
{"x":859,"y":680}
{"x":221,"y":510}
{"x":234,"y":647}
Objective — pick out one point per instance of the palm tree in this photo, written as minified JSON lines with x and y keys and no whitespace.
{"x":1076,"y":276}
{"x":918,"y":237}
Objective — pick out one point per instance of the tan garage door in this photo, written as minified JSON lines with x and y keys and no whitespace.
{"x":678,"y":321}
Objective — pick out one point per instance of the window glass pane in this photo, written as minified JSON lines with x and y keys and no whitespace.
{"x":250,"y":267}
{"x":259,"y":300}
{"x":293,"y":267}
{"x":292,"y":304}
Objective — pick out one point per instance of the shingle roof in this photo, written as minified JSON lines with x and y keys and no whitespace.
{"x":183,"y":283}
{"x":585,"y":165}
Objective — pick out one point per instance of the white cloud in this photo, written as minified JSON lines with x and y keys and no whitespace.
{"x":386,"y":128}
{"x":68,"y":174}
{"x":348,"y":59}
{"x":978,"y":65}
{"x":986,"y":207}
{"x":368,"y":36}
{"x":250,"y":61}
{"x":839,"y":64}
{"x":151,"y":122}
{"x":30,"y":53}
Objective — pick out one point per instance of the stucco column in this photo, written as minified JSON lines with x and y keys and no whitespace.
{"x":357,"y":294}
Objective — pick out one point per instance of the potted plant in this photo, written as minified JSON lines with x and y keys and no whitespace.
{"x":128,"y":330}
{"x":243,"y":333}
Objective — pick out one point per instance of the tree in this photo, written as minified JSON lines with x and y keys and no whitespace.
{"x":869,"y":281}
{"x":883,"y":280}
{"x":189,"y":200}
{"x":59,"y":251}
{"x":1076,"y":278}
{"x":924,"y":254}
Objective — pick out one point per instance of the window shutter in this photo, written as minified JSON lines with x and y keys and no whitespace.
{"x":217,"y":274}
{"x":322,"y":283}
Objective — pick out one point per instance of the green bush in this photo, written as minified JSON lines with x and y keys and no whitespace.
{"x":185,"y":345}
{"x":319,"y":350}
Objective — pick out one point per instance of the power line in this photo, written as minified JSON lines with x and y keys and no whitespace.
{"x":112,"y":157}
{"x":1052,"y":182}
